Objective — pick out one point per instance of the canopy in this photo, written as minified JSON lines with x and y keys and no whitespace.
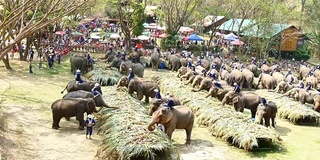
{"x":60,"y":33}
{"x":237,"y":43}
{"x":230,"y":37}
{"x":186,"y":29}
{"x":143,"y":37}
{"x":195,"y":37}
{"x":115,"y":36}
{"x":164,"y":35}
{"x":145,"y":24}
{"x":95,"y":37}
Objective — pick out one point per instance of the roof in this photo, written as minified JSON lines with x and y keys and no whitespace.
{"x":208,"y":20}
{"x":234,"y":25}
{"x":261,"y":32}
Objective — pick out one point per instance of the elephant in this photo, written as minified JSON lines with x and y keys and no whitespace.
{"x":317,"y":74}
{"x":237,"y":77}
{"x":266,"y":112}
{"x":155,"y":59}
{"x":316,"y":104}
{"x":313,"y":80}
{"x":115,"y":63}
{"x":86,"y":86}
{"x":219,"y":93}
{"x":205,"y":64}
{"x":226,"y":76}
{"x":265,"y":68}
{"x":254,"y":69}
{"x":110,"y":58}
{"x":305,"y":96}
{"x":218,"y":62}
{"x":267,"y":81}
{"x":291,"y":93}
{"x":240,"y":101}
{"x":135,"y":55}
{"x":190,"y":77}
{"x":72,"y":107}
{"x":273,"y":67}
{"x":205,"y":84}
{"x":248,"y":78}
{"x":283,"y":87}
{"x":137,"y":68}
{"x":180,"y":117}
{"x":183,"y":71}
{"x":184,"y":62}
{"x":173,"y":62}
{"x":79,"y":63}
{"x":303,"y":72}
{"x":99,"y":102}
{"x":78,"y":55}
{"x":143,"y":88}
{"x":197,"y":80}
{"x":155,"y":103}
{"x":277,"y":77}
{"x":289,"y":78}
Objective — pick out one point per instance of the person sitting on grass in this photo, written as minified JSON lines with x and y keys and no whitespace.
{"x":78,"y":76}
{"x":89,"y":123}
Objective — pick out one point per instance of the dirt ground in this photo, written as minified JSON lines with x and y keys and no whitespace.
{"x":25,"y":126}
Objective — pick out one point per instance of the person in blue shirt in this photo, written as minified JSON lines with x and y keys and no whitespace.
{"x":311,"y":73}
{"x":133,"y":60}
{"x":90,"y":60}
{"x":214,"y":66}
{"x":123,"y":56}
{"x":183,"y":55}
{"x":204,"y":72}
{"x":235,"y":59}
{"x":170,"y":104}
{"x":118,"y":55}
{"x":263,"y":101}
{"x":289,"y":72}
{"x":95,"y":91}
{"x":171,"y":51}
{"x":218,"y":55}
{"x":201,"y":56}
{"x":253,"y":60}
{"x":291,"y":80}
{"x":217,"y":84}
{"x":236,"y":88}
{"x":158,"y":94}
{"x":213,"y":76}
{"x":78,"y":76}
{"x":50,"y":61}
{"x":59,"y":58}
{"x":89,"y":123}
{"x":31,"y":54}
{"x":131,"y":75}
{"x":301,"y":85}
{"x":308,"y":86}
{"x":223,"y":67}
{"x":264,"y":61}
{"x":190,"y":64}
{"x":199,"y":62}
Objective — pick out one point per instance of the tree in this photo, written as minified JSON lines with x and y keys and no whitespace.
{"x":21,"y":19}
{"x":131,"y":17}
{"x":175,"y":13}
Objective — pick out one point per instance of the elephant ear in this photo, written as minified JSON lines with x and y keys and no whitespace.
{"x":235,"y":99}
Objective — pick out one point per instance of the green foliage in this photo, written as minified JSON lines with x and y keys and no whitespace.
{"x":302,"y":53}
{"x":138,"y":18}
{"x":169,"y":42}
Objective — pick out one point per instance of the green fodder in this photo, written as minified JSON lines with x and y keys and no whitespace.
{"x":125,"y":133}
{"x":222,"y":122}
{"x":106,"y":77}
{"x":289,"y":109}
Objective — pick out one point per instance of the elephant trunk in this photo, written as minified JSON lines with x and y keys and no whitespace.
{"x":151,"y":126}
{"x":224,"y":100}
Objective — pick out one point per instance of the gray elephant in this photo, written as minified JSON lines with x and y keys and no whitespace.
{"x":218,"y":92}
{"x":303,"y":72}
{"x":267,"y":112}
{"x":155,"y":59}
{"x":184,"y":62}
{"x":218,"y":62}
{"x":197,"y":80}
{"x":80,"y":63}
{"x":180,"y":117}
{"x":277,"y":77}
{"x":313,"y":80}
{"x":254,"y":69}
{"x":265,"y":68}
{"x":226,"y":76}
{"x":205,"y":64}
{"x":115,"y":64}
{"x":137,"y":68}
{"x":205,"y":84}
{"x":99,"y":102}
{"x":183,"y":71}
{"x":283,"y":87}
{"x":248,"y":78}
{"x":72,"y":108}
{"x":291,"y":93}
{"x":240,"y":101}
{"x":305,"y":96}
{"x":86,"y":86}
{"x":266,"y":81}
{"x":135,"y":55}
{"x":237,"y":77}
{"x":143,"y":88}
{"x":174,"y":62}
{"x":155,"y":103}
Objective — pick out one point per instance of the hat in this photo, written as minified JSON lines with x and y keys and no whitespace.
{"x":235,"y":84}
{"x":130,"y":69}
{"x":96,"y":85}
{"x":289,"y":69}
{"x":156,"y":90}
{"x":89,"y":116}
{"x":78,"y":71}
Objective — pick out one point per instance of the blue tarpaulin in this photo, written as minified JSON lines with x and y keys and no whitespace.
{"x":195,"y":37}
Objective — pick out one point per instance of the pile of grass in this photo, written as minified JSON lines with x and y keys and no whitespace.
{"x":125,"y":134}
{"x":106,"y":77}
{"x":223,"y":122}
{"x":292,"y":110}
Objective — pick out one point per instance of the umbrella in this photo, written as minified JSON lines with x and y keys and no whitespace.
{"x":95,"y":37}
{"x":107,"y":35}
{"x":76,"y":34}
{"x":146,"y":33}
{"x":142,"y":37}
{"x":195,"y":37}
{"x":186,"y":29}
{"x":145,"y":24}
{"x":114,"y":36}
{"x":230,"y":37}
{"x":60,"y":33}
{"x":237,"y":43}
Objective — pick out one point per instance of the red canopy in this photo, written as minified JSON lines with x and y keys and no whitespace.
{"x":237,"y":43}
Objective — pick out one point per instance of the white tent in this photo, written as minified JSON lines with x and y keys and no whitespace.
{"x":143,"y":37}
{"x":114,"y":36}
{"x":230,"y":37}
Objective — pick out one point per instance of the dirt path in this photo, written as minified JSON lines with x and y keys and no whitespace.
{"x":27,"y":125}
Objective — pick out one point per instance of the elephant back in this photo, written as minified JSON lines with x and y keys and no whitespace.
{"x":138,"y":69}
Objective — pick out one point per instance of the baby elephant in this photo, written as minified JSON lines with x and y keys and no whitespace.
{"x":266,"y":112}
{"x":180,"y":117}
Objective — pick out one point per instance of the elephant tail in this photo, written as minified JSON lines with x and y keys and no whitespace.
{"x":64,"y":89}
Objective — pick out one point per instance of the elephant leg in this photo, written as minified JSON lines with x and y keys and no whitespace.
{"x":157,"y":66}
{"x":56,"y":121}
{"x":147,"y":99}
{"x":169,"y":131}
{"x":188,"y":132}
{"x":267,"y":121}
{"x":253,"y":113}
{"x":272,"y":122}
{"x":81,"y":121}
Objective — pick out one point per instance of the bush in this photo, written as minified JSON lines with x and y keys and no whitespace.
{"x":302,"y":53}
